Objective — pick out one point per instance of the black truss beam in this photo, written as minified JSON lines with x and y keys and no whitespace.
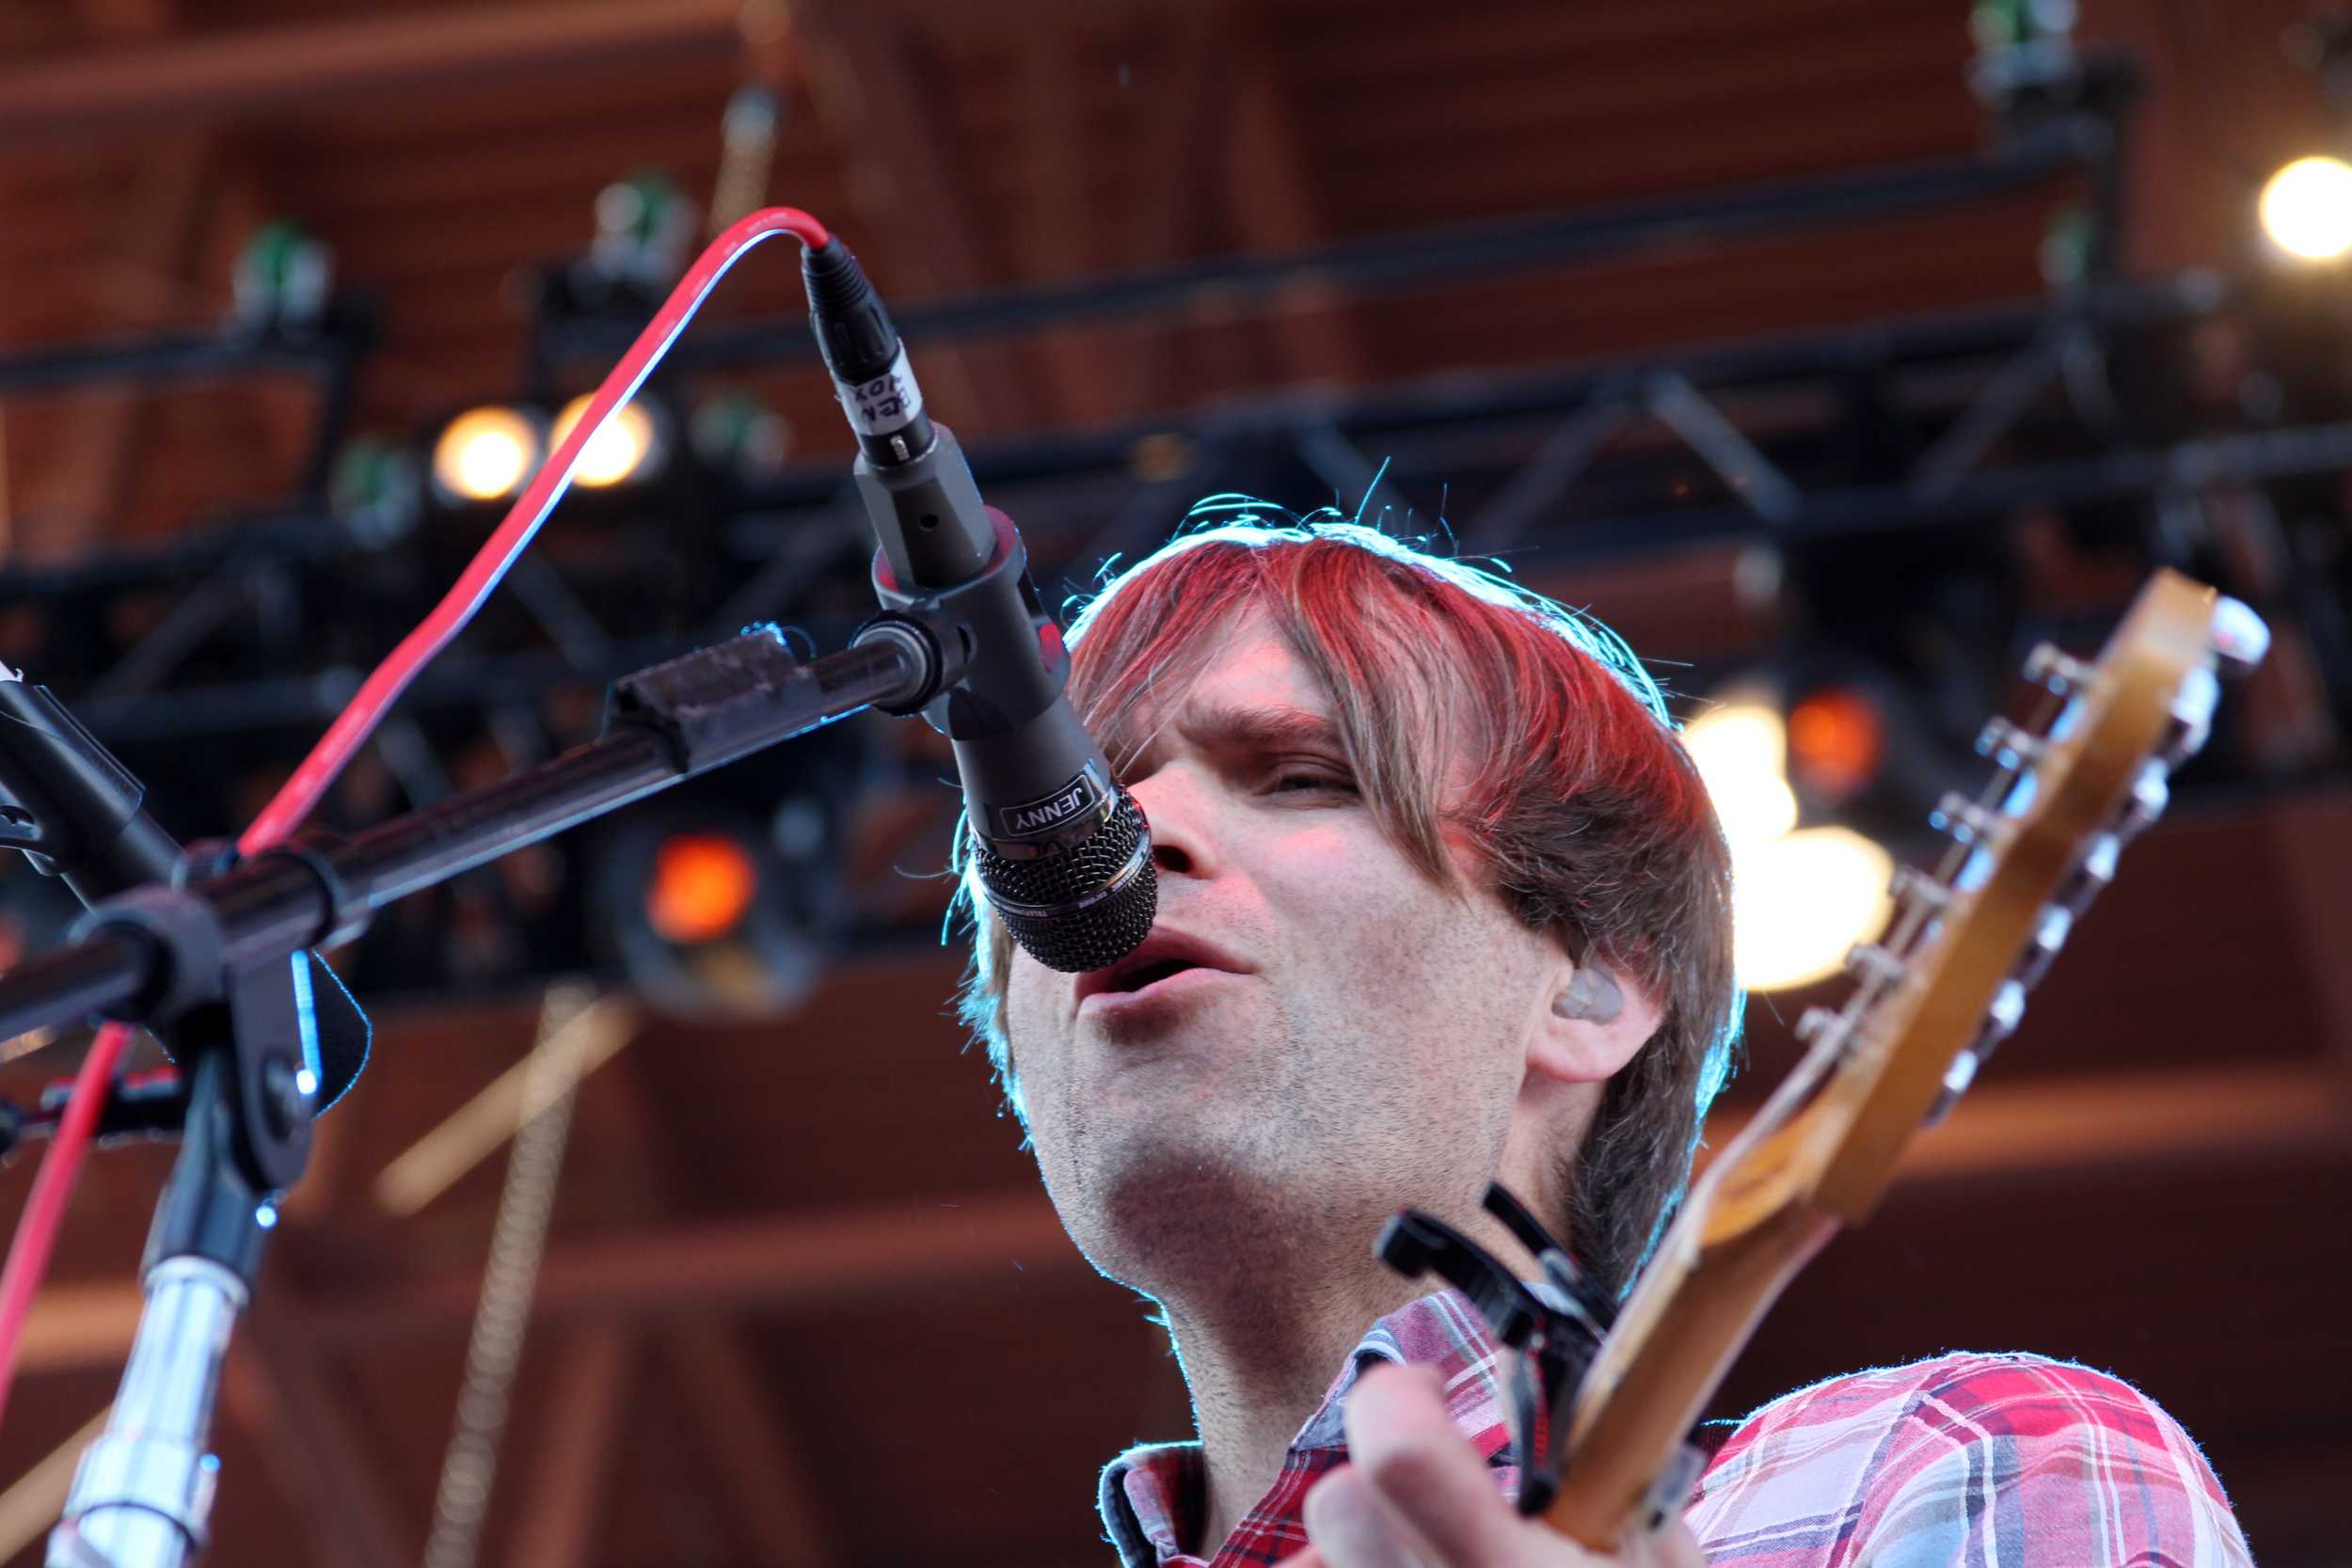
{"x":1413,"y":260}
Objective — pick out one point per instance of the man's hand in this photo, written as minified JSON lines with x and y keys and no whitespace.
{"x":1416,"y":1494}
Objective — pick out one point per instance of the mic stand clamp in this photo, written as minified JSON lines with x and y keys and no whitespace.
{"x":996,"y":607}
{"x":248,"y":1053}
{"x":142,"y":1495}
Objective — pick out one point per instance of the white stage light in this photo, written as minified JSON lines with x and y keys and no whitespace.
{"x":2307,"y":209}
{"x":626,"y":446}
{"x":486,"y":454}
{"x":1799,"y":902}
{"x":1741,"y":748}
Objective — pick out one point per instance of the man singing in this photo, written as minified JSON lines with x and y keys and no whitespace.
{"x":1443,"y":902}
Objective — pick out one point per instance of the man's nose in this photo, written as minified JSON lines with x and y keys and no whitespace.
{"x":1179,"y":805}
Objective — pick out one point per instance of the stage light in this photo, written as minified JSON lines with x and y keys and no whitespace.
{"x":374,"y":489}
{"x":282,"y":279}
{"x":704,"y":914}
{"x":643,"y":224}
{"x":628,"y":446}
{"x":2307,"y":209}
{"x":1800,"y":898}
{"x":1740,"y":747}
{"x":1837,"y":741}
{"x":486,"y":454}
{"x":1799,"y":902}
{"x":703,"y":885}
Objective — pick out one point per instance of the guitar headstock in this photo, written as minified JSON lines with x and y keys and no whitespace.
{"x":2072,"y":785}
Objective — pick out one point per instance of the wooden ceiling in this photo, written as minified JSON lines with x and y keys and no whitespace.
{"x":440,"y":150}
{"x":804,"y":1302}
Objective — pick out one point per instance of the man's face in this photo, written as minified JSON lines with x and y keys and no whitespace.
{"x":1368,"y":1058}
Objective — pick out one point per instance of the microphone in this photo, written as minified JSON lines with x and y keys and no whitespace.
{"x":1064,"y":854}
{"x":79,"y":814}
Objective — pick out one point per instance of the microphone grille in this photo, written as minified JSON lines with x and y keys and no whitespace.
{"x":1085,"y":909}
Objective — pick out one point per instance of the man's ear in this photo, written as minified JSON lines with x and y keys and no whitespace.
{"x":1596,"y":1019}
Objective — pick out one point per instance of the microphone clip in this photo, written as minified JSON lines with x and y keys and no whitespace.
{"x":997,"y":608}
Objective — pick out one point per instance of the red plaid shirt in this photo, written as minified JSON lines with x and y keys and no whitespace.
{"x":2015,"y":1459}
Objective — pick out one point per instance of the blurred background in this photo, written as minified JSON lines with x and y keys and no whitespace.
{"x":1836,"y":353}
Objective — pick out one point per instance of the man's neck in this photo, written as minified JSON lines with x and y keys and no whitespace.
{"x":1260,"y":1361}
{"x":1259,"y":1373}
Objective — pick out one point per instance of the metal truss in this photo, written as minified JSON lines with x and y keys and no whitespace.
{"x":330,"y":352}
{"x":1870,"y":429}
{"x":222,"y":653}
{"x":570,"y":328}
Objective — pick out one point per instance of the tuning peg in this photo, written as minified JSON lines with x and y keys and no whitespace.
{"x":1956,"y":1078}
{"x":1913,"y":886}
{"x":2191,"y":719}
{"x":2151,"y":793}
{"x":2049,"y":934}
{"x":2060,"y":672}
{"x":2000,"y":1022}
{"x":1867,"y":960}
{"x":2238,"y":636}
{"x":2002,"y":1018}
{"x":2009,"y":746}
{"x":1965,"y":820}
{"x":1817,"y":1022}
{"x":2091,"y":874}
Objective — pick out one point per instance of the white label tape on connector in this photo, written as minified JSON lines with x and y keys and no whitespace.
{"x":882,"y":404}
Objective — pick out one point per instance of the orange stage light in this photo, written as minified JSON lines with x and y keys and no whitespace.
{"x":1836,"y":743}
{"x":703,"y":885}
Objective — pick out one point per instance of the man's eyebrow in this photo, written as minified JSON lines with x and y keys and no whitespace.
{"x":1263,"y":728}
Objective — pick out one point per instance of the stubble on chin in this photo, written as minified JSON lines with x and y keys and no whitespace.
{"x":1211,"y":1230}
{"x":1150,"y":1203}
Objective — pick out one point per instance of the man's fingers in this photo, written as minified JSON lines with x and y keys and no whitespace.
{"x":1353,"y":1529}
{"x":1404,"y":1445}
{"x":1673,"y":1548}
{"x":1414,"y":1487}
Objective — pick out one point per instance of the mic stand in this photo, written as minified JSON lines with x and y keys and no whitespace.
{"x":221,"y":962}
{"x":143,"y":1493}
{"x":154,"y":951}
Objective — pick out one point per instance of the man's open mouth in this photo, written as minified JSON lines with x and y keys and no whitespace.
{"x":1150,"y":974}
{"x":1163,"y":955}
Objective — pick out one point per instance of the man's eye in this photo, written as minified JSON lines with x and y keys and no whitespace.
{"x":1292,"y":780}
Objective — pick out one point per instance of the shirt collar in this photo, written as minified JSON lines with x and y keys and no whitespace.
{"x":1152,"y":1497}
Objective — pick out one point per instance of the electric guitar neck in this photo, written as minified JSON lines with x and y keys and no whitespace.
{"x":1932,"y":999}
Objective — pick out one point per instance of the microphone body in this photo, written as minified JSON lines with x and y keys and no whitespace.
{"x":1063,"y":854}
